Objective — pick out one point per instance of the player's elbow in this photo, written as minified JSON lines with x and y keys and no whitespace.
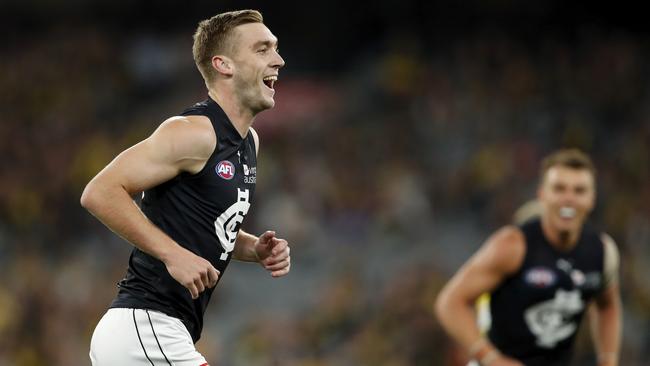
{"x":442,"y":305}
{"x":450,"y":303}
{"x":89,"y":197}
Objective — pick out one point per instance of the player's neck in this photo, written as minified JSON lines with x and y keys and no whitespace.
{"x":562,"y":240}
{"x":241,"y":118}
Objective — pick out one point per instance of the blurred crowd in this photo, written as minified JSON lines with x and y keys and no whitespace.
{"x":383,"y":178}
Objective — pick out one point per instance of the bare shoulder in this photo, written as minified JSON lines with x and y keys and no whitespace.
{"x":610,"y":248}
{"x":509,"y":237}
{"x":607,"y":240}
{"x":500,"y":256}
{"x":505,"y":249}
{"x":187,"y":136}
{"x":256,"y":138}
{"x":611,"y":261}
{"x":186,"y":142}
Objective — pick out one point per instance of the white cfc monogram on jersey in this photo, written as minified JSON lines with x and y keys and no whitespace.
{"x":550,"y":321}
{"x":227,"y":225}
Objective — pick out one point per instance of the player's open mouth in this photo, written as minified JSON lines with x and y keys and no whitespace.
{"x":567,"y":212}
{"x":269,"y":81}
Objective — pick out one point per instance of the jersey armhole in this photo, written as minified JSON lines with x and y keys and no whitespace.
{"x":524,"y":257}
{"x":255,"y":138}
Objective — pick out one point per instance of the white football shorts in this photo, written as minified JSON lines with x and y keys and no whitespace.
{"x":139,"y":337}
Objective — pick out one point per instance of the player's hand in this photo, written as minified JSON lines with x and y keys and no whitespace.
{"x":273,"y":254}
{"x":193,"y":272}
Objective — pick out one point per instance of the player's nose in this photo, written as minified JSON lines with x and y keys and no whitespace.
{"x":568,"y":199}
{"x":278,"y":61}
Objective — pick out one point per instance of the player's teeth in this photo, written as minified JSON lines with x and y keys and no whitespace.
{"x":567,"y":212}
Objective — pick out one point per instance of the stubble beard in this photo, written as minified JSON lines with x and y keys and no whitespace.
{"x":250,"y":96}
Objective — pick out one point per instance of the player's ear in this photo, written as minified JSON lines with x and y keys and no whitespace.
{"x":222,"y":64}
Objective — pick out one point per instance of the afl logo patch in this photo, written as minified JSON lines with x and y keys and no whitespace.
{"x":540,"y":277}
{"x":225,"y":170}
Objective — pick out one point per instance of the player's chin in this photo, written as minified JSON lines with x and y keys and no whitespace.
{"x":264,"y":104}
{"x":268,"y":103}
{"x":268,"y":96}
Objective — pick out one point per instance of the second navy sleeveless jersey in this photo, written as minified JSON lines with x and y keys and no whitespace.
{"x":537,"y":311}
{"x":203,"y":213}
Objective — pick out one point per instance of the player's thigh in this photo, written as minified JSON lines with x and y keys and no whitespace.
{"x":174,"y":339}
{"x":142,"y":337}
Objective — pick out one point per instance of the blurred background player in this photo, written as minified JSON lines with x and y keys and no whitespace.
{"x":542,"y":276}
{"x":198,"y":175}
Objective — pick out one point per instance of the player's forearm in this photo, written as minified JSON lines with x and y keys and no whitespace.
{"x":115,"y":208}
{"x":458,"y":317}
{"x":607,"y":328}
{"x":245,"y":247}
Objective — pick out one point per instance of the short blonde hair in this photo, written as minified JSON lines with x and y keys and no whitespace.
{"x":213,"y":37}
{"x":570,"y":158}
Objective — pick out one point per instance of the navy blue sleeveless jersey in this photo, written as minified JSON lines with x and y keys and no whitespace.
{"x":203,"y":213}
{"x":537,"y":311}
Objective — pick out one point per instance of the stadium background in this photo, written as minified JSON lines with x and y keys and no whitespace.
{"x":404,"y":132}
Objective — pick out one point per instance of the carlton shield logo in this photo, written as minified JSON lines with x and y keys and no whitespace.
{"x":225,"y":170}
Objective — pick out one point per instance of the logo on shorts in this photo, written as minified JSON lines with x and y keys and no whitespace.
{"x":540,"y":277}
{"x":225,"y":170}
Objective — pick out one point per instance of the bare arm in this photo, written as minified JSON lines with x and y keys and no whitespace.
{"x":273,"y":253}
{"x":245,"y":247}
{"x":605,"y":315}
{"x":500,"y":256}
{"x":179,"y":144}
